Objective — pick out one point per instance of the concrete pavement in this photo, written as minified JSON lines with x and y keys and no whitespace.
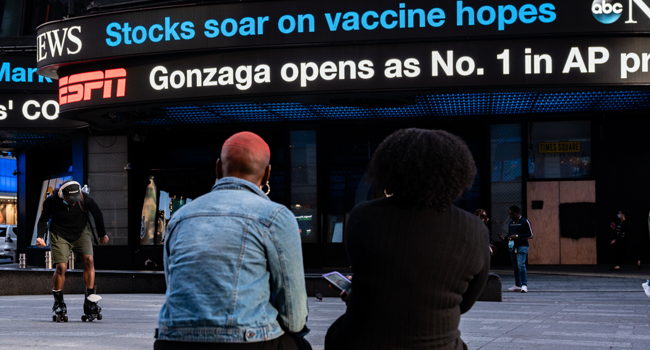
{"x":560,"y":312}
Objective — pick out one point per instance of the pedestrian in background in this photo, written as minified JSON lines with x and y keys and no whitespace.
{"x":622,"y":233}
{"x":418,"y":261}
{"x":482,"y":214}
{"x":519,"y":232}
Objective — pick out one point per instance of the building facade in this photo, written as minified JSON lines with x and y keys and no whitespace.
{"x":551,"y":97}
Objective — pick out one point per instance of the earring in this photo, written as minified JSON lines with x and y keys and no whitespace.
{"x":268,"y":186}
{"x":386,"y":194}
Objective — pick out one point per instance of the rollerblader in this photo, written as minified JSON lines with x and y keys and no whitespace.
{"x":67,"y":210}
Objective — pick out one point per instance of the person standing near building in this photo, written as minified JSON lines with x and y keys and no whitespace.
{"x":233,"y":263}
{"x":519,"y":232}
{"x":66,"y":210}
{"x":482,"y":214}
{"x":620,"y":242}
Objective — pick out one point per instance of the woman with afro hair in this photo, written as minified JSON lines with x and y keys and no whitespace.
{"x":418,"y":261}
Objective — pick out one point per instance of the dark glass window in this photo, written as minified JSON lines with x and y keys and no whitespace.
{"x":38,"y":12}
{"x":304,"y":179}
{"x":505,"y":157}
{"x":347,"y":188}
{"x":10,"y":20}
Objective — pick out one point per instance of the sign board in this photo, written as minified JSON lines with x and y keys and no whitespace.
{"x":559,"y":62}
{"x":32,"y":111}
{"x":18,"y":73}
{"x":292,"y":22}
{"x":559,"y":147}
{"x":28,"y":100}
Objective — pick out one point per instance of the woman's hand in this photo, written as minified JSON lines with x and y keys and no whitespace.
{"x":612,"y":242}
{"x":344,"y":295}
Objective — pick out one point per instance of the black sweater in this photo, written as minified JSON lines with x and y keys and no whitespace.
{"x":415,"y":273}
{"x":69,"y":221}
{"x":522,"y":229}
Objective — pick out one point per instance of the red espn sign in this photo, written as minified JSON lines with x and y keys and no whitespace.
{"x":77,"y":87}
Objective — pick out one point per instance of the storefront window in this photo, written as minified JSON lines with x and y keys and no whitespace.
{"x":304,"y":180}
{"x":505,"y":154}
{"x":108,"y":185}
{"x":8,"y":211}
{"x":347,"y":188}
{"x":559,"y":150}
{"x":10,"y":24}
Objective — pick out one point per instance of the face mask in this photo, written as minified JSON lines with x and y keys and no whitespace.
{"x":66,"y":203}
{"x":619,"y":216}
{"x":511,"y":245}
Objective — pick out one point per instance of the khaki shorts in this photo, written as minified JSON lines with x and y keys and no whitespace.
{"x":61,"y":248}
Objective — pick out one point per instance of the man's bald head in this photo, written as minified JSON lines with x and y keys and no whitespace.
{"x":245,"y":155}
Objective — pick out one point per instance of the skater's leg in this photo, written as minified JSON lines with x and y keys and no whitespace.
{"x":90,"y":308}
{"x":58,"y":280}
{"x":89,"y":272}
{"x":60,"y":251}
{"x":84,"y":247}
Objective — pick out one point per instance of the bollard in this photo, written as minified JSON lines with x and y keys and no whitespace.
{"x":22,"y":263}
{"x":48,"y":260}
{"x":71,"y":261}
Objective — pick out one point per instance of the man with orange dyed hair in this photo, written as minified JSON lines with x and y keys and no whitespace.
{"x":233,"y":263}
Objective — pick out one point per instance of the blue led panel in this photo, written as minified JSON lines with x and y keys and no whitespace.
{"x":8,"y":182}
{"x":335,"y":112}
{"x":565,"y":102}
{"x":495,"y":103}
{"x":290,"y":111}
{"x":193,"y":115}
{"x":459,"y":104}
{"x":242,"y":112}
{"x":512,"y":102}
{"x":624,"y":101}
{"x":13,"y":139}
{"x":419,"y":109}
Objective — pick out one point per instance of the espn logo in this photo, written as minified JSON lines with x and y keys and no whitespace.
{"x":78,"y":87}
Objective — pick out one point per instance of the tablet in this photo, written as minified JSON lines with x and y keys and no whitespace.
{"x":339,"y":281}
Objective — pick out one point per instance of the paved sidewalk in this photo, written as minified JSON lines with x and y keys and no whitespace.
{"x":560,"y":312}
{"x":626,"y":271}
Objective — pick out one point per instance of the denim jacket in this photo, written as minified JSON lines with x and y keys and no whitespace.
{"x":225,"y":253}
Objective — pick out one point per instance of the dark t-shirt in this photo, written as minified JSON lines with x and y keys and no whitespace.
{"x":69,"y":221}
{"x":415,"y":273}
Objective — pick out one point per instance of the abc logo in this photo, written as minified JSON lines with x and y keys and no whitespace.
{"x":605,"y":11}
